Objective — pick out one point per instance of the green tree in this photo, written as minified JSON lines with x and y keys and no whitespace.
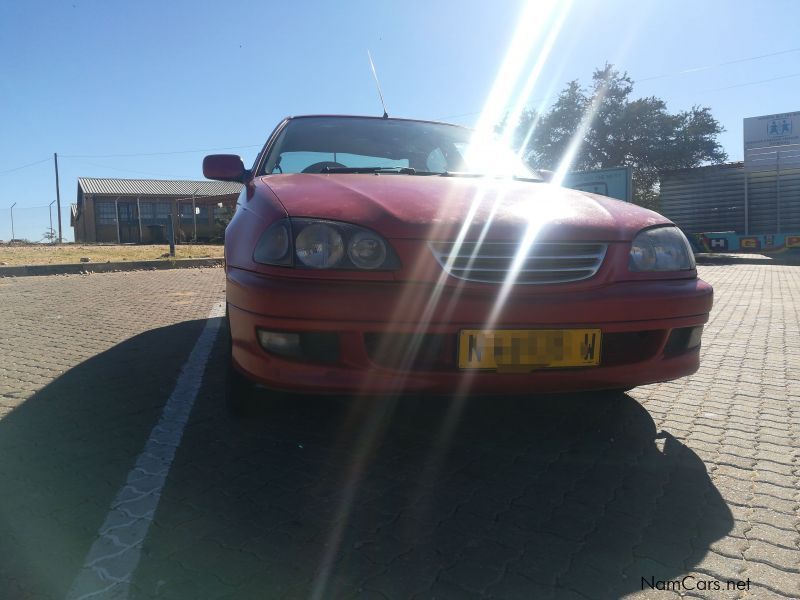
{"x":620,"y":131}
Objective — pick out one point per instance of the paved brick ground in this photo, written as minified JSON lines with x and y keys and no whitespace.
{"x":87,"y":362}
{"x":567,"y":497}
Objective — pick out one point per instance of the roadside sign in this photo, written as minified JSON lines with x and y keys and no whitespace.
{"x":614,"y":183}
{"x":772,"y":142}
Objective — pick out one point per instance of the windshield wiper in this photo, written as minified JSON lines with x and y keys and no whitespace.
{"x":475,"y":174}
{"x":462,"y":174}
{"x":401,"y":170}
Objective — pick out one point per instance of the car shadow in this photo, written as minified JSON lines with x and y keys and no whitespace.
{"x":553,"y":496}
{"x":66,"y":450}
{"x":347,"y":497}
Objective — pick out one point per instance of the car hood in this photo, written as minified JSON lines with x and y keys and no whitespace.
{"x":433,"y":207}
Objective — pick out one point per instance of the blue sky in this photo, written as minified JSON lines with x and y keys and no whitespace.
{"x":90,"y":79}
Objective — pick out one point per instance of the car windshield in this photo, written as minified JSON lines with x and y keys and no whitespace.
{"x":347,"y":144}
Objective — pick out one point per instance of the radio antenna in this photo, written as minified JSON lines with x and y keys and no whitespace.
{"x":378,"y":85}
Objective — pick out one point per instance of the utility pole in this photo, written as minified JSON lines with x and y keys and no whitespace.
{"x":12,"y":221}
{"x":58,"y":197}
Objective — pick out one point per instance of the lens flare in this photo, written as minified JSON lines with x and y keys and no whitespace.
{"x":565,"y":164}
{"x":533,"y":21}
{"x":420,"y":308}
{"x":555,"y":24}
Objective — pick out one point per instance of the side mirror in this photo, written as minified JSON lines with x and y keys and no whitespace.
{"x":225,"y":167}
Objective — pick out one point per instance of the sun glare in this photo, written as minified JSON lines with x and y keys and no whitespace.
{"x":539,"y":25}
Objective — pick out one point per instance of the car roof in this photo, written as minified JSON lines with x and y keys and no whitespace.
{"x":289,"y":118}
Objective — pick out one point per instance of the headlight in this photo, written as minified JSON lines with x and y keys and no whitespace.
{"x":661,"y":249}
{"x":367,"y":250}
{"x":318,"y":244}
{"x":273,"y":246}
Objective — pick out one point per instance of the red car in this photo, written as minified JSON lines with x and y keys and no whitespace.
{"x":378,"y":255}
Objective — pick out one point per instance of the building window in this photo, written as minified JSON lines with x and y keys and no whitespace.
{"x":163,"y":210}
{"x":147,"y":212}
{"x":155,"y":213}
{"x":105,"y":213}
{"x":186,"y":214}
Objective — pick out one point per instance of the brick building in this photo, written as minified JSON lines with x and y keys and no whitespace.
{"x":137,"y":210}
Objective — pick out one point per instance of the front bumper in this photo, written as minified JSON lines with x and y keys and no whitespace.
{"x":637,"y":319}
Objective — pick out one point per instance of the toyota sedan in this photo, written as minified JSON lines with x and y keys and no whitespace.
{"x":380,"y":255}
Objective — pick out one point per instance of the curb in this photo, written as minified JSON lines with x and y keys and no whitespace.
{"x":743,"y":259}
{"x":108,"y":267}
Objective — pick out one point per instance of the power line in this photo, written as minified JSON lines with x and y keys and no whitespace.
{"x":738,"y":85}
{"x":17,"y":207}
{"x":692,"y":70}
{"x":717,"y":65}
{"x":156,"y":153}
{"x":86,"y":162}
{"x":24,"y":166}
{"x":81,"y":156}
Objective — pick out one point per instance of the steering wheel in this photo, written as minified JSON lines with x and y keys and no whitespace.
{"x":317,"y":167}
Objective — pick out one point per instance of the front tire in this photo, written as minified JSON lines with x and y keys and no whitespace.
{"x":238,"y":389}
{"x":239,"y":392}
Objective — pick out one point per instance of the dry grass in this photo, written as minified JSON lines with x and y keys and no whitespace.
{"x":41,"y":254}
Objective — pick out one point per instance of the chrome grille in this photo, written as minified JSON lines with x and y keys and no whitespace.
{"x":546,"y":262}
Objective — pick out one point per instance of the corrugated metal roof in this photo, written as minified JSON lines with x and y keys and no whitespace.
{"x":156,"y":187}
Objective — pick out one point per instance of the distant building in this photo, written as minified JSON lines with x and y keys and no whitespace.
{"x":728,"y":197}
{"x":137,"y":210}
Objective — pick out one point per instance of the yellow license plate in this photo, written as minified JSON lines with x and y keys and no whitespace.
{"x":527,"y":349}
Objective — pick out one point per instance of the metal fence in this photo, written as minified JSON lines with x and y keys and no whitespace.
{"x":728,"y":198}
{"x":30,"y":223}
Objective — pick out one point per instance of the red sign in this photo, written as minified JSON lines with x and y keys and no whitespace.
{"x":749,"y":243}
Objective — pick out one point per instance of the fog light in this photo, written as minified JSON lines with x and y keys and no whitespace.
{"x":694,"y":337}
{"x":682,"y":340}
{"x":283,"y":344}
